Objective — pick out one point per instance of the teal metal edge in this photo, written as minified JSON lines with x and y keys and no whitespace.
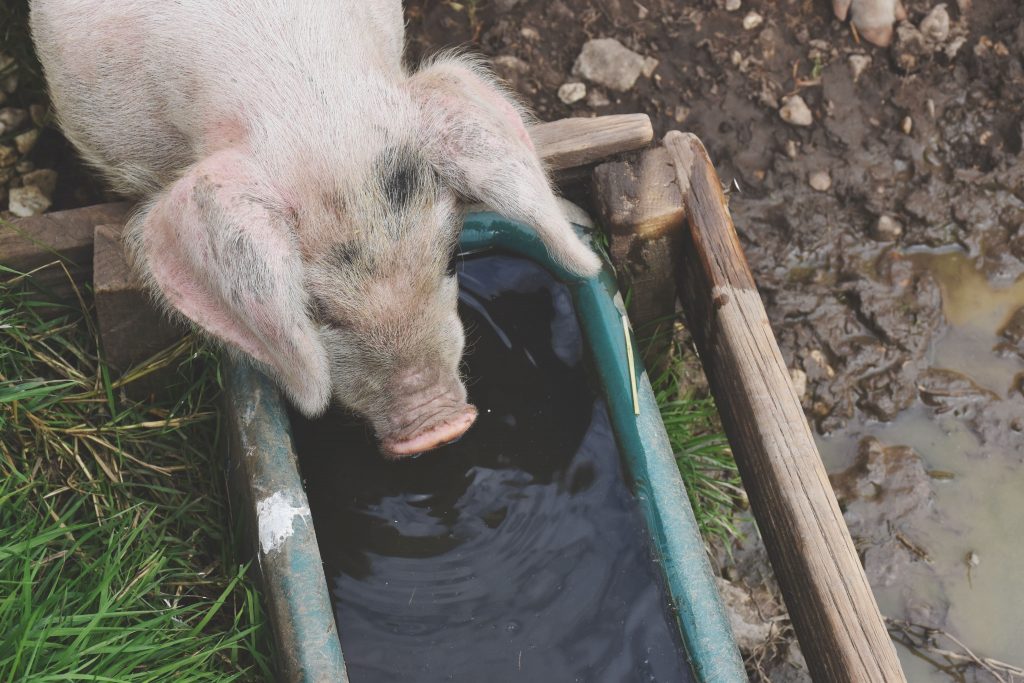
{"x":658,"y":486}
{"x":264,"y":472}
{"x":263,"y":463}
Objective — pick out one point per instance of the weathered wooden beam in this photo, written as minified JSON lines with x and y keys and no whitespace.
{"x":573,"y":142}
{"x":131,"y":328}
{"x":28,"y":243}
{"x":639,"y":202}
{"x":835,"y":615}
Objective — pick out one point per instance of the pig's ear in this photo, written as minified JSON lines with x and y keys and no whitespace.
{"x":219,"y":248}
{"x":476,"y":138}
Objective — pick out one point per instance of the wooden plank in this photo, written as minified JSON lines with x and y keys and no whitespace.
{"x":568,"y":143}
{"x":837,"y":621}
{"x":639,"y":202}
{"x":639,"y":195}
{"x":28,"y":243}
{"x":131,"y":328}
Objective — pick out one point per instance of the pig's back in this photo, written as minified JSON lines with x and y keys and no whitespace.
{"x":143,"y":89}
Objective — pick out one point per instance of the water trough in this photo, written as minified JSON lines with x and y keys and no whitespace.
{"x":267,"y":471}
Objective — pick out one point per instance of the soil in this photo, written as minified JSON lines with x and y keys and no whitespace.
{"x":917,"y":155}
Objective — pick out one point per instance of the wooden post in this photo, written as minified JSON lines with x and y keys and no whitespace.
{"x":29,"y":243}
{"x":131,"y":328}
{"x":837,"y":621}
{"x":639,"y":203}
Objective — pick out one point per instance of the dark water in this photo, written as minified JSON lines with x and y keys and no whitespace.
{"x":516,"y":554}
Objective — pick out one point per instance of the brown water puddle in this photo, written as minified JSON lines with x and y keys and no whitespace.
{"x":975,"y":455}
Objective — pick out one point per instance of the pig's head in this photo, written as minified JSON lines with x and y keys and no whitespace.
{"x":344,"y":288}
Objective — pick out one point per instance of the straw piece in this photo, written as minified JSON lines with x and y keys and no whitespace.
{"x":632,"y":367}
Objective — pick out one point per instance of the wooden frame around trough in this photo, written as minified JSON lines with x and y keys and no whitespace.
{"x":670,"y":210}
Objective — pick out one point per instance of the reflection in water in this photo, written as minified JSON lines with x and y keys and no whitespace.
{"x":516,"y":554}
{"x":976,"y":454}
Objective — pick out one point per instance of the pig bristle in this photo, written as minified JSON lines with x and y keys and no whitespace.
{"x":301,"y":189}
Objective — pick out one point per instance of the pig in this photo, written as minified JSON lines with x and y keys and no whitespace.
{"x":300,"y":189}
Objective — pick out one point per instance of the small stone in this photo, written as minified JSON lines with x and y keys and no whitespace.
{"x":26,"y":141}
{"x":858,"y":64}
{"x":820,"y":181}
{"x":38,"y":113}
{"x":571,"y":93}
{"x":680,"y":113}
{"x":8,"y":155}
{"x":749,"y":627}
{"x":596,"y":98}
{"x":513,"y":71}
{"x":799,"y":379}
{"x":24,"y":166}
{"x":9,"y":84}
{"x":907,"y":125}
{"x":650,"y":64}
{"x":817,"y":358}
{"x":510,"y":66}
{"x":641,"y":11}
{"x":935,"y":25}
{"x":795,"y":111}
{"x":733,"y":5}
{"x":608,"y":62}
{"x":44,"y":179}
{"x":11,"y":119}
{"x":528,"y":33}
{"x":791,"y":149}
{"x":972,"y":559}
{"x":752,"y":20}
{"x":886,"y":229}
{"x":27,"y":201}
{"x":910,"y":47}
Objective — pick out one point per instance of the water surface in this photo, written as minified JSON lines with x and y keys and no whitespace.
{"x":516,"y":554}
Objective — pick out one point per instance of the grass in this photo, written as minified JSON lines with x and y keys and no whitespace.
{"x":116,"y":558}
{"x":701,"y":450}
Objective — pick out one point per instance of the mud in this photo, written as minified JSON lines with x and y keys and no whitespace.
{"x":897,"y":290}
{"x":518,"y":553}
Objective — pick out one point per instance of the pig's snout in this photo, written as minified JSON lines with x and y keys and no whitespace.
{"x":441,"y":430}
{"x":430,"y":411}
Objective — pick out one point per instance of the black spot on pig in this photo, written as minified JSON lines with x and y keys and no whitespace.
{"x":404,"y":177}
{"x":344,"y":254}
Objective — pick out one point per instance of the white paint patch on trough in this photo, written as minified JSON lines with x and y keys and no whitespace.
{"x":276,"y":515}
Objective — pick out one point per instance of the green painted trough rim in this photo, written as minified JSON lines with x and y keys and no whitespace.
{"x":264,"y":464}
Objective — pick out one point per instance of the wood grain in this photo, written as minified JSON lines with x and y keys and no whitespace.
{"x":568,"y":143}
{"x":638,"y":200}
{"x":28,"y":243}
{"x":639,"y":195}
{"x":837,"y":621}
{"x":131,"y":328}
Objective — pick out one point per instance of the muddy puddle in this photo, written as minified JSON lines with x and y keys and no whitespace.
{"x":936,"y":508}
{"x":515,"y":554}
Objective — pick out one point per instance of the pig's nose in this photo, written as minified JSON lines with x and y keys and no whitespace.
{"x":445,"y":431}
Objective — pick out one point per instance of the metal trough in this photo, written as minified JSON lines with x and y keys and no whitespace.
{"x":270,"y":496}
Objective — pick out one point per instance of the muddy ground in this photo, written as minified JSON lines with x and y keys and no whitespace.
{"x":912,"y":151}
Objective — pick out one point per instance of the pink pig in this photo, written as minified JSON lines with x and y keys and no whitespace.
{"x":300,"y":188}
